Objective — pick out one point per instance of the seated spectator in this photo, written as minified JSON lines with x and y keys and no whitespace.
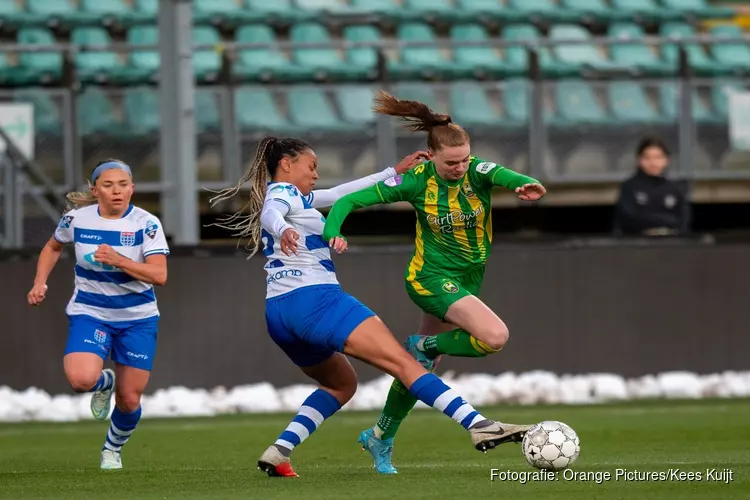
{"x":649,"y":204}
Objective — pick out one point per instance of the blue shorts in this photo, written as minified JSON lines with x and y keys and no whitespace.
{"x":313,"y":322}
{"x":132,"y":343}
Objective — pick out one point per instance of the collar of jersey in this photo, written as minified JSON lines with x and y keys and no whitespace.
{"x":444,"y":182}
{"x":127,"y":212}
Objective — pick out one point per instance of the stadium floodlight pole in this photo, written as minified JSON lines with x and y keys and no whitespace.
{"x":179,"y":201}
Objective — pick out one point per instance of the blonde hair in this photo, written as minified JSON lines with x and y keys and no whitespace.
{"x":245,"y":223}
{"x":80,"y":199}
{"x":441,"y":131}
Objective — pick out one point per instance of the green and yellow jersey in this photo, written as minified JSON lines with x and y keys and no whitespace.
{"x":454,"y":219}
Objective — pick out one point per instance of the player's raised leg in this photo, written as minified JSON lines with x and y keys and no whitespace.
{"x":338,"y":383}
{"x":133,"y":353}
{"x":373,"y":343}
{"x":88,"y":345}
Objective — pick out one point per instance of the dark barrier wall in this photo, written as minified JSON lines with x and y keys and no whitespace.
{"x":626,"y":310}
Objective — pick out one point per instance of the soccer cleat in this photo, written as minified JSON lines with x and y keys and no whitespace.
{"x":273,"y":463}
{"x":110,"y":460}
{"x":487,"y":437}
{"x":411,"y":346}
{"x":380,"y":449}
{"x":101,"y":401}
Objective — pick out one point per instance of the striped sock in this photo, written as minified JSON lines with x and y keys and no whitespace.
{"x":104,"y":383}
{"x":433,"y":392}
{"x":317,"y":407}
{"x":121,"y":427}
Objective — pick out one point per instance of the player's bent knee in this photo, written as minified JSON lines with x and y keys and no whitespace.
{"x":344,"y":392}
{"x":128,"y":402}
{"x":495,"y":338}
{"x":83,"y":381}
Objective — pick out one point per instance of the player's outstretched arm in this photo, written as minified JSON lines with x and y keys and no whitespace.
{"x":346,"y":205}
{"x":528,"y":188}
{"x":327,"y":197}
{"x":48,"y":258}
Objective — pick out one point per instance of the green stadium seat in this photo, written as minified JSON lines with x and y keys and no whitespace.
{"x":256,"y":110}
{"x":541,"y":10}
{"x":355,"y":104}
{"x":470,"y":105}
{"x":418,"y":92}
{"x":644,"y":10}
{"x":276,"y":11}
{"x":699,"y":9}
{"x":38,"y":66}
{"x":141,"y":111}
{"x":720,"y":98}
{"x":669,"y":100}
{"x":592,"y":10}
{"x":11,"y":14}
{"x":324,"y":63}
{"x":517,"y":56}
{"x":421,"y":62}
{"x":144,"y":62}
{"x":5,"y":69}
{"x":629,"y":104}
{"x":268,"y":63}
{"x":633,"y":52}
{"x":328,"y":7}
{"x":733,"y":54}
{"x":95,"y":66}
{"x":206,"y":62}
{"x":46,"y":113}
{"x":515,"y":95}
{"x":108,"y":12}
{"x":576,"y":104}
{"x":487,"y":9}
{"x":96,"y":114}
{"x":365,"y":58}
{"x":221,"y":12}
{"x":697,"y":57}
{"x":148,"y":8}
{"x":483,"y":60}
{"x":310,"y":110}
{"x":429,"y":10}
{"x":576,"y":56}
{"x":386,"y":8}
{"x":207,"y":111}
{"x":56,"y":12}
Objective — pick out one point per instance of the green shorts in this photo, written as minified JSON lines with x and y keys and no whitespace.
{"x":434,"y":294}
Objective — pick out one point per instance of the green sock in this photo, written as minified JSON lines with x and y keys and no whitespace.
{"x":397,"y":407}
{"x":455,"y":343}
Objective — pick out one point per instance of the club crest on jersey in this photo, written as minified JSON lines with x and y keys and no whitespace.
{"x":394,"y":181}
{"x":100,"y":336}
{"x":127,"y":239}
{"x":65,"y":222}
{"x":485,"y":167}
{"x":450,"y":287}
{"x":151,"y":229}
{"x":467,"y":191}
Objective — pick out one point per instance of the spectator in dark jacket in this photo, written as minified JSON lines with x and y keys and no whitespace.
{"x":649,"y":203}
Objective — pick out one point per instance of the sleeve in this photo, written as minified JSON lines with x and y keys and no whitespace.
{"x":327,"y":197}
{"x":398,"y":188}
{"x":154,"y":239}
{"x":65,"y":229}
{"x":491,"y":174}
{"x":272,"y":216}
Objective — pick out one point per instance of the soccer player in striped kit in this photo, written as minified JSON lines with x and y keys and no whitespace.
{"x":121,"y":253}
{"x":309,"y":316}
{"x":452,"y":195}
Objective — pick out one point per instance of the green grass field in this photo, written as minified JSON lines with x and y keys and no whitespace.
{"x":214,"y":458}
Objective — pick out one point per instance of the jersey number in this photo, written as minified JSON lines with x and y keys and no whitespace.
{"x":268,"y":242}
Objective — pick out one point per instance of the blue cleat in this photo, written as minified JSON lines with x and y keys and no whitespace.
{"x":411,"y":346}
{"x":380,"y":449}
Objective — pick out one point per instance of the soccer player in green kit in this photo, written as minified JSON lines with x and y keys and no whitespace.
{"x":452,"y":195}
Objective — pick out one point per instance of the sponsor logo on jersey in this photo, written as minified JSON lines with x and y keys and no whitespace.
{"x":151,"y":229}
{"x":137,"y":355}
{"x":486,"y":167}
{"x":394,"y":181}
{"x":280,"y":275}
{"x":65,"y":222}
{"x":93,"y":237}
{"x":464,"y":220}
{"x":288,"y":188}
{"x":127,"y":239}
{"x":450,"y":287}
{"x":89,"y":257}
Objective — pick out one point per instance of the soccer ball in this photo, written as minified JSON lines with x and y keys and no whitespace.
{"x":551,"y":445}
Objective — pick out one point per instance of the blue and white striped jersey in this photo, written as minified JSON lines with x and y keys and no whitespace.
{"x":101,"y":291}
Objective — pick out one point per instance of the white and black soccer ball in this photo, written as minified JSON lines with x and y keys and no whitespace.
{"x":551,"y":445}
